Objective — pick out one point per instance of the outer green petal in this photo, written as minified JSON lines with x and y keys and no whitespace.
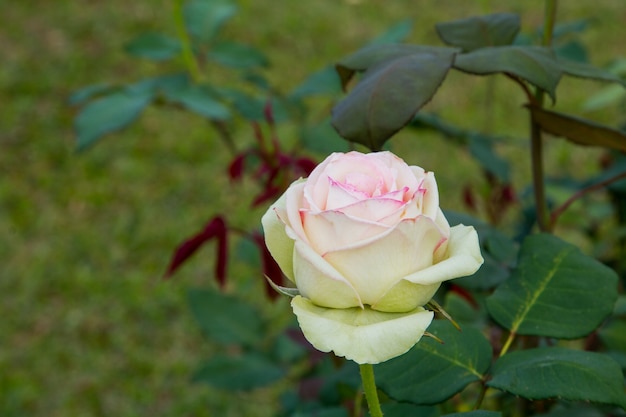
{"x":463,"y":258}
{"x":278,"y":243}
{"x":405,"y":296}
{"x":361,"y":335}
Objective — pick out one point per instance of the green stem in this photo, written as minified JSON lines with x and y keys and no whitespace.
{"x":536,"y":143}
{"x":187,"y":53}
{"x":369,"y":386}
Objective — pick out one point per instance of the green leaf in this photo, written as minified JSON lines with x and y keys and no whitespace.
{"x":432,"y":372}
{"x":535,"y":64}
{"x":491,"y":274}
{"x":577,"y":130}
{"x":554,"y":372}
{"x":237,"y":55}
{"x":395,"y":33}
{"x":238,"y":373}
{"x":574,"y":410}
{"x":462,"y":311}
{"x":585,"y":70}
{"x":324,"y":81}
{"x":472,"y":33}
{"x":108,"y":114}
{"x":610,"y":95}
{"x":406,"y":410}
{"x":199,"y":99}
{"x":388,"y":96}
{"x":475,"y":413}
{"x":87,"y":93}
{"x":323,"y":412}
{"x":226,"y":319}
{"x":155,"y":46}
{"x":205,"y":18}
{"x":555,"y":290}
{"x":376,"y":54}
{"x":613,"y":335}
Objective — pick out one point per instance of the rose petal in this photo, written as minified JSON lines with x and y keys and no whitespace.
{"x":320,"y":282}
{"x":332,"y":230}
{"x":463,"y":258}
{"x":277,"y":241}
{"x":405,"y":296}
{"x":376,"y":209}
{"x":361,"y":335}
{"x":374,"y":266}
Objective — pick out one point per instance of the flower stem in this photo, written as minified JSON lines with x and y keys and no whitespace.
{"x":369,"y":386}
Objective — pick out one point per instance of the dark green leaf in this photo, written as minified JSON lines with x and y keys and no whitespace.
{"x":577,"y":130}
{"x":108,"y":114}
{"x":323,"y":412}
{"x":238,"y":373}
{"x":155,"y":46}
{"x":555,"y":290}
{"x":205,"y":18}
{"x":475,"y":413}
{"x":613,"y":335}
{"x":574,"y":410}
{"x":481,"y":149}
{"x":491,"y":274}
{"x":408,"y":410}
{"x":388,"y":96}
{"x":555,"y":372}
{"x":535,"y":64}
{"x":585,"y":70}
{"x":87,"y":93}
{"x":376,"y":54}
{"x":432,"y":372}
{"x":199,"y":99}
{"x":324,"y":81}
{"x":237,"y":55}
{"x":462,"y":311}
{"x":396,"y":33}
{"x":573,"y":50}
{"x":226,"y":319}
{"x":497,"y":29}
{"x":620,"y":306}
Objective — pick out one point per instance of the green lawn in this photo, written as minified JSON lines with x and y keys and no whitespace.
{"x":88,"y":327}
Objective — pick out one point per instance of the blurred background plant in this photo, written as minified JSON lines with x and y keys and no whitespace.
{"x":91,"y":328}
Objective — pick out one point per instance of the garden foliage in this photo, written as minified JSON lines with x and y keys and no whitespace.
{"x":543,"y":324}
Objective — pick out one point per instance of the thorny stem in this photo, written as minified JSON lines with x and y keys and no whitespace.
{"x":369,"y":386}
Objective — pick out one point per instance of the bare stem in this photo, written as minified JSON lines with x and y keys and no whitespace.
{"x":579,"y":194}
{"x":369,"y":386}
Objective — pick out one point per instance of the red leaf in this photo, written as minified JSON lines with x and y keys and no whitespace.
{"x":464,"y":294}
{"x":468,"y":198}
{"x":306,"y":165}
{"x":270,"y":267}
{"x":268,"y":112}
{"x":216,"y":228}
{"x":235,"y":169}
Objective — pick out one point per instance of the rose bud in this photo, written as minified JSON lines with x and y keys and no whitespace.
{"x":367,"y":246}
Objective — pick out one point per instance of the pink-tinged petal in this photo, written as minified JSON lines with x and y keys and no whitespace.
{"x":320,"y":282}
{"x":461,"y":259}
{"x":361,"y":335}
{"x":340,"y":196}
{"x":375,"y":209}
{"x":278,"y":242}
{"x":293,"y":204}
{"x":374,"y":266}
{"x":406,"y":296}
{"x":333,"y":230}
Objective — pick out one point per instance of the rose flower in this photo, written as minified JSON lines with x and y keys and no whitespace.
{"x":367,"y":246}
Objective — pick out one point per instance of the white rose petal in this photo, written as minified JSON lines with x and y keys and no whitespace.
{"x":361,"y":335}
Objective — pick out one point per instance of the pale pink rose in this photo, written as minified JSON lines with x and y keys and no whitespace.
{"x":367,"y":246}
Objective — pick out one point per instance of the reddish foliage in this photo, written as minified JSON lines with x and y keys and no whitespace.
{"x":214,"y":229}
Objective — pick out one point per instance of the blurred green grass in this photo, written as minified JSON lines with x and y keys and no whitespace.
{"x":88,"y":327}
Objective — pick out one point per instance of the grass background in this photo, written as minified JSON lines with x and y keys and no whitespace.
{"x":87,"y":326}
